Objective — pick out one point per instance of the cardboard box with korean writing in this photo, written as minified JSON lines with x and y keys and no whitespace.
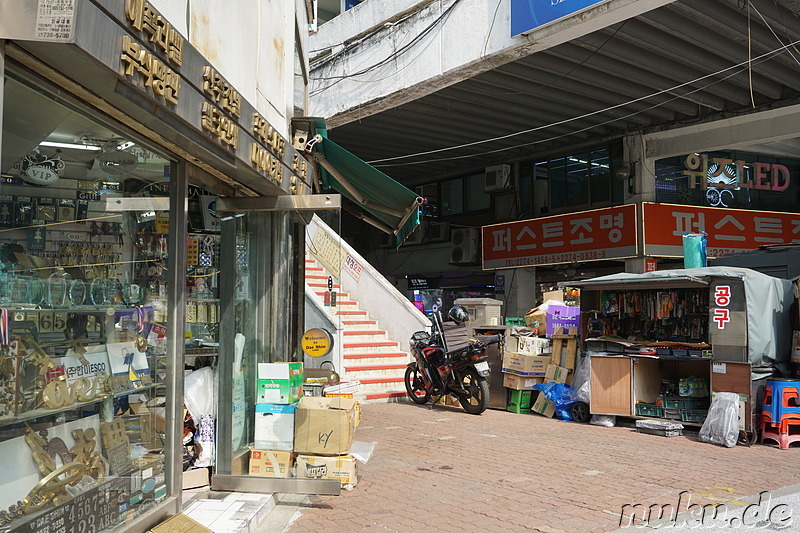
{"x":544,"y":406}
{"x":274,"y":426}
{"x":513,"y":381}
{"x":343,"y":467}
{"x":270,"y":463}
{"x":556,"y":374}
{"x":279,"y":382}
{"x":525,"y":365}
{"x":533,"y":345}
{"x":324,"y":426}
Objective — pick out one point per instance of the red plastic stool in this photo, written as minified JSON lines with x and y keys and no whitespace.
{"x":783,"y":437}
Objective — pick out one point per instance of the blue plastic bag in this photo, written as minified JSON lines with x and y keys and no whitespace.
{"x":561,"y":395}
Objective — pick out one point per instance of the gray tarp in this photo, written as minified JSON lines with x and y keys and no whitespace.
{"x":768,"y":299}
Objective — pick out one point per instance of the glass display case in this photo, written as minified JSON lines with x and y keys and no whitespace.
{"x":85,"y":357}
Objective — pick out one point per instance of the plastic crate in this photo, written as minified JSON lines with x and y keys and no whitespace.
{"x":693,"y":415}
{"x":674,"y":402}
{"x":695,"y":403}
{"x":672,"y":413}
{"x":520,"y":401}
{"x":649,"y":409}
{"x":659,"y":427}
{"x":515,"y":321}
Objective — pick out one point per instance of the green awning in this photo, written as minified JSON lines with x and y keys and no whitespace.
{"x":387,"y":204}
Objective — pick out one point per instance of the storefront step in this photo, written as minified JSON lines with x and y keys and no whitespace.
{"x":231,"y":512}
{"x":359,"y":324}
{"x":387,"y":396}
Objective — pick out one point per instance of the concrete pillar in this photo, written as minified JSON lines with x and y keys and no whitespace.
{"x":519,"y":294}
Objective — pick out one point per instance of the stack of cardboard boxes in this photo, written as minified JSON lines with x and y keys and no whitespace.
{"x":313,"y":433}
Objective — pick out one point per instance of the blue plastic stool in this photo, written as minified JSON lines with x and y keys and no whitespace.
{"x":781,"y":401}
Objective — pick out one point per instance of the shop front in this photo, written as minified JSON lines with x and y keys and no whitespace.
{"x":121,"y":271}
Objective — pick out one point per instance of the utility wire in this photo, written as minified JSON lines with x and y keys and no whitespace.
{"x":764,"y":57}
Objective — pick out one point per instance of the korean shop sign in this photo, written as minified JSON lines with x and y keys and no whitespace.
{"x":586,"y":236}
{"x":527,"y":15}
{"x":729,"y":230}
{"x":727,"y":326}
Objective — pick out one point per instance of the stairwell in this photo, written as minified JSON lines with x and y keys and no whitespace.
{"x":367,"y":353}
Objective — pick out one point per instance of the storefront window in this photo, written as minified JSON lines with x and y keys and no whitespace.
{"x":84,"y":357}
{"x":729,"y":180}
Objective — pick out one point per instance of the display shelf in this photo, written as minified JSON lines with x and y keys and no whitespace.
{"x":44,"y":412}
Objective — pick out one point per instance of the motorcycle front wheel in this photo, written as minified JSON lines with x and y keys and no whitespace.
{"x":477,"y":399}
{"x":415,"y":386}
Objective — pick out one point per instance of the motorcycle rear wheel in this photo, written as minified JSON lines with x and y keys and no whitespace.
{"x":415,"y":386}
{"x":477,"y":387}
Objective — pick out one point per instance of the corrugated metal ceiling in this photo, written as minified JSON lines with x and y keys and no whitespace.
{"x":685,"y":62}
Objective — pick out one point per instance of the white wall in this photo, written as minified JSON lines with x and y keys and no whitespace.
{"x":250,"y":42}
{"x":473,"y":38}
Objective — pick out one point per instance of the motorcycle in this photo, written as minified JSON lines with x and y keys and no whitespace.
{"x":436,"y":371}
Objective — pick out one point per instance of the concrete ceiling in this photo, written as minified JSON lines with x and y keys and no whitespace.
{"x":687,"y":62}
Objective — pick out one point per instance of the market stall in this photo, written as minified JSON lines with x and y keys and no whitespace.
{"x":669,"y":340}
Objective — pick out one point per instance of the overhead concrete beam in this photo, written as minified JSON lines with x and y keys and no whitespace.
{"x":735,"y":132}
{"x":473,"y":38}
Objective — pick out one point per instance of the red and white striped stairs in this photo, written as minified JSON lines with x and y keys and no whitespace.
{"x":368,"y":355}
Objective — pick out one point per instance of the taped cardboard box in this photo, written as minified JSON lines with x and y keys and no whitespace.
{"x":194,"y":478}
{"x":279,"y":382}
{"x":274,"y":426}
{"x":533,"y":345}
{"x":324,"y":426}
{"x":525,"y":365}
{"x":544,"y":406}
{"x":515,"y":382}
{"x":556,"y":374}
{"x":343,"y":467}
{"x":270,"y":463}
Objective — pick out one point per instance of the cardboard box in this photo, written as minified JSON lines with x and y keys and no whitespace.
{"x":194,"y":478}
{"x":543,"y":406}
{"x":324,"y":426}
{"x":532,"y":345}
{"x":515,"y":382}
{"x":343,"y":467}
{"x":558,"y":296}
{"x":274,"y":426}
{"x":562,"y":316}
{"x":525,"y":365}
{"x":270,"y":463}
{"x":556,"y":374}
{"x":536,"y":319}
{"x":280,"y":382}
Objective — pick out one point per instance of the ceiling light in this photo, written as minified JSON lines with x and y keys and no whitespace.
{"x":70,"y":145}
{"x":125,"y":146}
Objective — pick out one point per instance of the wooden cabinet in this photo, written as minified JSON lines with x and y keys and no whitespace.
{"x":611,"y":379}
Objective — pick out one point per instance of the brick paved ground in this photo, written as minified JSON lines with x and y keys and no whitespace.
{"x":446,"y":471}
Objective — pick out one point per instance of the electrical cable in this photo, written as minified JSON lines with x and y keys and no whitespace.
{"x":742,"y":66}
{"x":389,"y":58}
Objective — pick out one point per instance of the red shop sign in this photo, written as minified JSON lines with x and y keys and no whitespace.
{"x":586,"y":236}
{"x":729,"y":230}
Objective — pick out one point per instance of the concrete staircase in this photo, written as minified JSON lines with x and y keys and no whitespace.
{"x":367,"y":353}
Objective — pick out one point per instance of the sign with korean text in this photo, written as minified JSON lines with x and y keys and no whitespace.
{"x":527,"y":15}
{"x":585,"y":236}
{"x":729,"y":230}
{"x":727,"y":321}
{"x":353,"y":267}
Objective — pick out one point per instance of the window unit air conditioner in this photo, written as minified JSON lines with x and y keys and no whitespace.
{"x":466,"y":245}
{"x":497,"y":178}
{"x":416,"y":236}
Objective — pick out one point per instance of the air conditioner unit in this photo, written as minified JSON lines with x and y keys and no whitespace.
{"x":497,"y":178}
{"x":439,"y":232}
{"x":466,"y":246}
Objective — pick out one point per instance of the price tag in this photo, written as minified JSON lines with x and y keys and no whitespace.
{"x":46,"y":322}
{"x":59,"y":321}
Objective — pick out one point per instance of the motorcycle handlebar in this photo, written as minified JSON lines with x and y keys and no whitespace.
{"x":497,"y":339}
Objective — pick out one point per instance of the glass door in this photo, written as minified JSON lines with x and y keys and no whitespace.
{"x":263,"y":297}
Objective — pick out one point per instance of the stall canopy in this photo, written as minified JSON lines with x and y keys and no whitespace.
{"x":768,"y":301}
{"x":386,"y":204}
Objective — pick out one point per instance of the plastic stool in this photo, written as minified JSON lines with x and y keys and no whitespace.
{"x":781,"y":400}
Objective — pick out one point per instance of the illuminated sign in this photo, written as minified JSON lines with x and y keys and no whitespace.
{"x":585,"y":236}
{"x":729,"y":230}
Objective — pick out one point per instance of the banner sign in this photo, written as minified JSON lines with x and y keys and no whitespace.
{"x":585,"y":236}
{"x":729,"y":230}
{"x":527,"y":15}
